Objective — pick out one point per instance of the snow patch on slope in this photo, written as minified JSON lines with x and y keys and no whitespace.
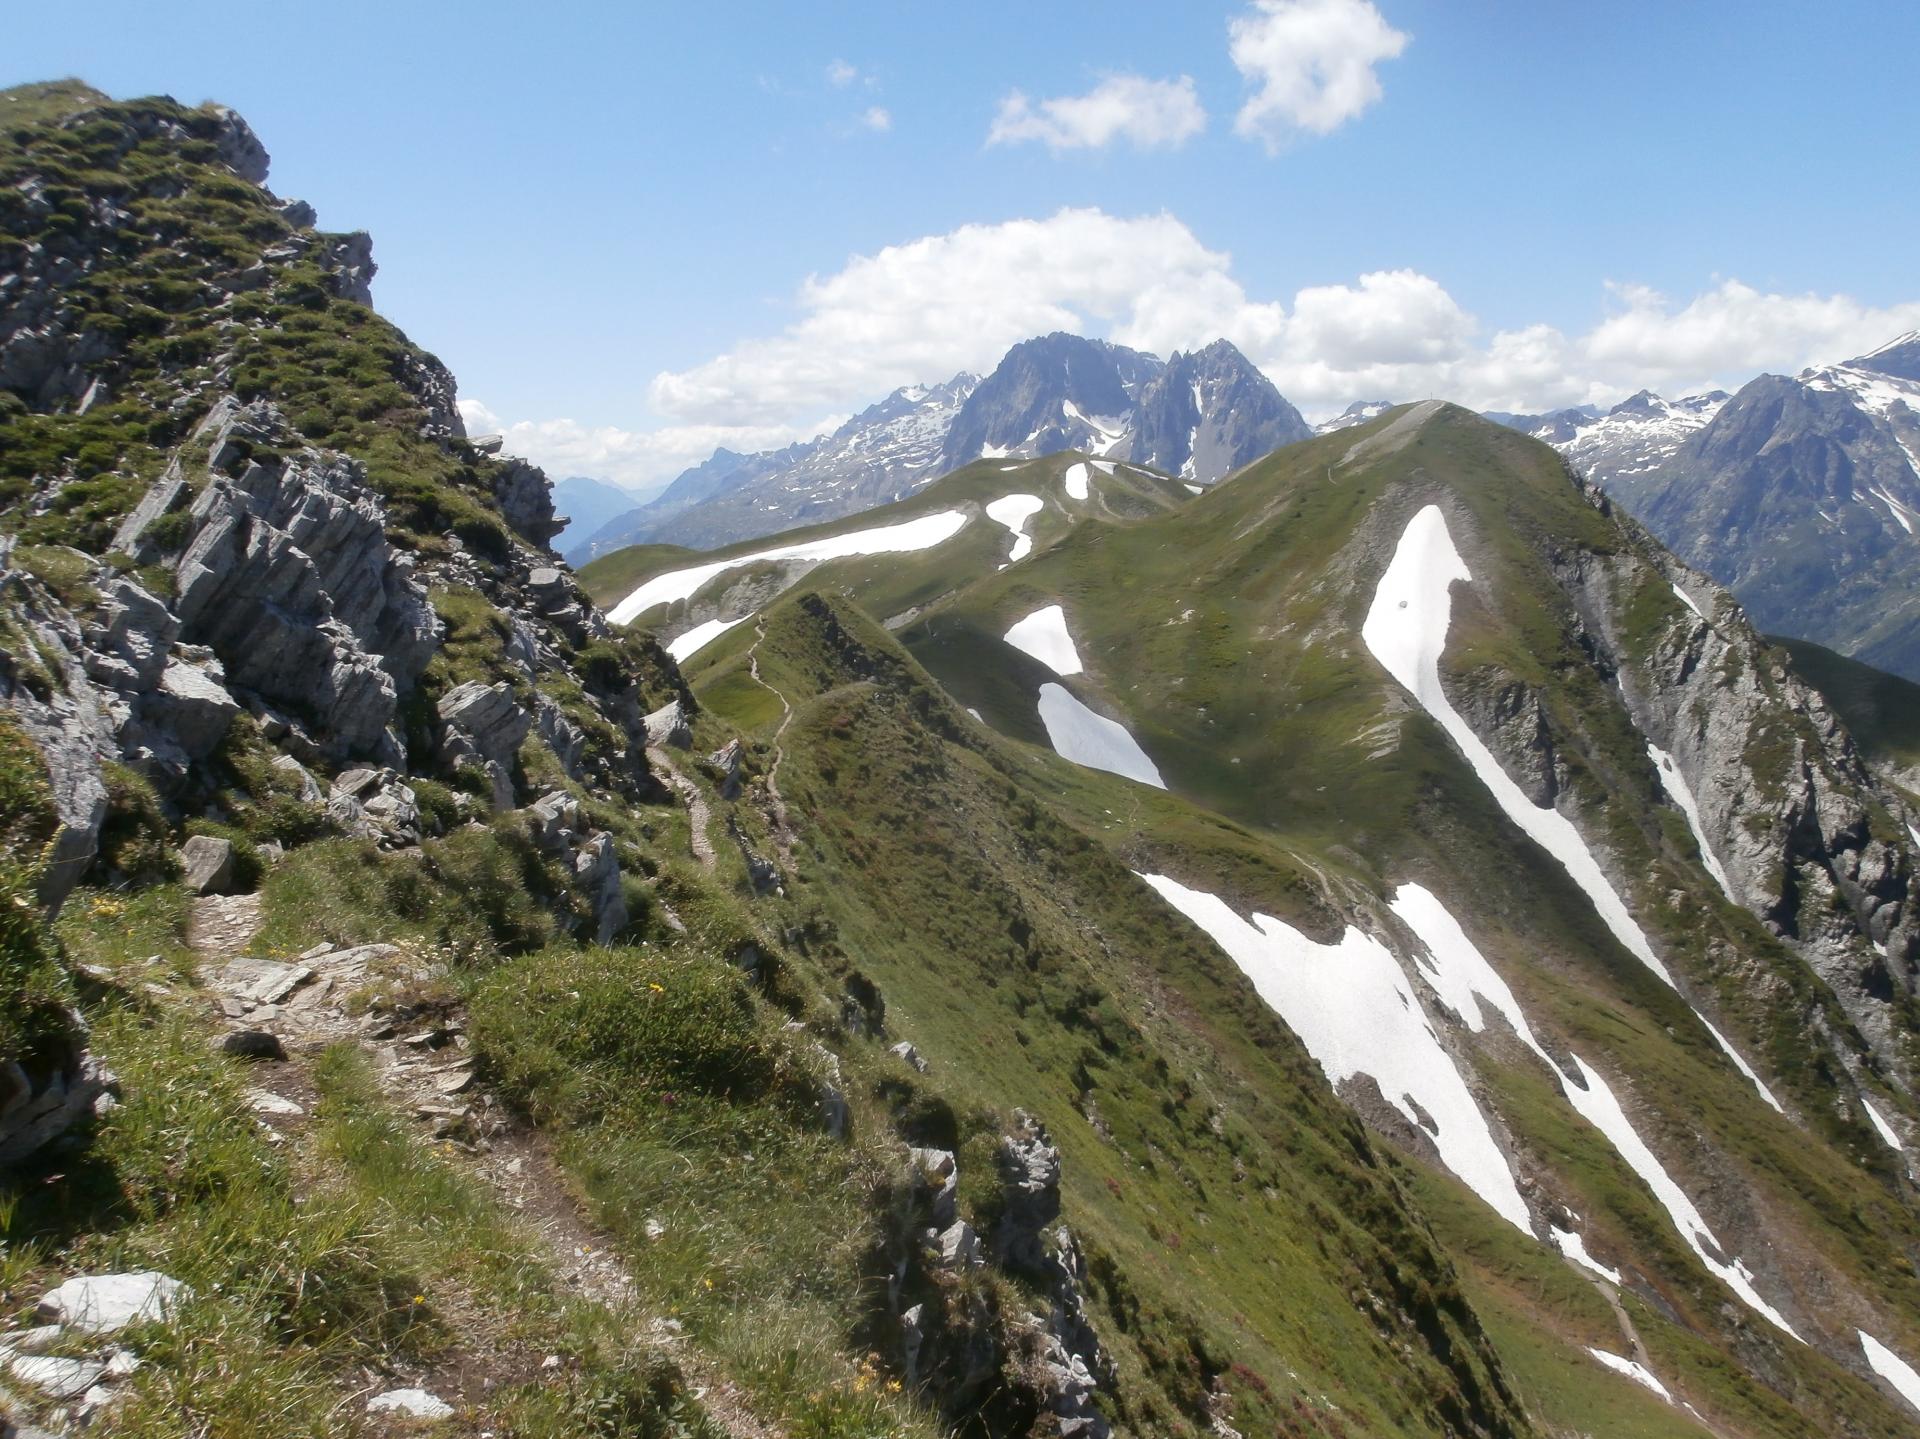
{"x":1043,"y":634}
{"x":1588,"y":1093}
{"x":1892,"y":1368}
{"x":1353,"y":1008}
{"x":1638,"y":1373}
{"x":921,"y":533}
{"x":1406,"y":630}
{"x":1887,"y":1131}
{"x":1075,"y":480}
{"x":684,"y":647}
{"x":1014,"y":511}
{"x":1078,"y":734}
{"x":1681,"y":794}
{"x":1461,"y":975}
{"x":1574,"y":1246}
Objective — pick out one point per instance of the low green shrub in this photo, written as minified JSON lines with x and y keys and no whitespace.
{"x":579,"y":1033}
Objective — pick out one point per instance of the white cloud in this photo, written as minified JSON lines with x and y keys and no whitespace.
{"x":1312,"y":63}
{"x":1733,"y":326}
{"x":638,"y":459}
{"x":1148,"y":114}
{"x":840,"y":74}
{"x":923,"y":310}
{"x":877,"y":119}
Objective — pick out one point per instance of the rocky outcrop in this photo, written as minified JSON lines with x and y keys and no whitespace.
{"x":43,"y":1097}
{"x":556,"y":824}
{"x":1071,"y":1366}
{"x":482,"y":727}
{"x":287,"y":576}
{"x":525,"y":498}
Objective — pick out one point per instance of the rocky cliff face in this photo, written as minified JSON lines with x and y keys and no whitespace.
{"x":1208,"y":413}
{"x":1802,"y":495}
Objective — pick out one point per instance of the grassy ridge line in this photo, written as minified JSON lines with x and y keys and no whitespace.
{"x":1235,"y":1210}
{"x":1127,"y":494}
{"x":1277,"y":720}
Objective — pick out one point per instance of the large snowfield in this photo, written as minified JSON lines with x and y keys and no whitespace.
{"x":1078,"y":734}
{"x":1043,"y":634}
{"x":921,"y":533}
{"x":1406,"y":630}
{"x":1353,"y":1008}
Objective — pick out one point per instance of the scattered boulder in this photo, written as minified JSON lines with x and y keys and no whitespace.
{"x":38,"y":1107}
{"x":208,"y":864}
{"x":253,"y":1044}
{"x":668,"y":726}
{"x":411,"y":1404}
{"x":597,"y":869}
{"x":484,"y":726}
{"x":193,"y":706}
{"x":56,"y":1377}
{"x":908,"y":1053}
{"x":108,"y":1303}
{"x":957,"y":1246}
{"x":726,"y":763}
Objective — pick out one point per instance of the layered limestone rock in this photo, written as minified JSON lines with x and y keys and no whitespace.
{"x":288,"y":577}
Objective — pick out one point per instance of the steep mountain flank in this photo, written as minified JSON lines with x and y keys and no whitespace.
{"x":1802,"y":495}
{"x":1208,"y":413}
{"x":424,"y":1007}
{"x":1603,"y":776}
{"x":1376,"y":946}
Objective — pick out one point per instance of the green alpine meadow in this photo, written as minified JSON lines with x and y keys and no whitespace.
{"x":1080,"y":898}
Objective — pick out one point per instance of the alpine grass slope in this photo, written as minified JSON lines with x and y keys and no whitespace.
{"x":1056,"y":955}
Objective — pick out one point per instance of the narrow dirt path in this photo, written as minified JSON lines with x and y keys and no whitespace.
{"x":425,"y":1071}
{"x":1637,"y":1351}
{"x":221,"y":926}
{"x":698,"y":815}
{"x":782,"y":827}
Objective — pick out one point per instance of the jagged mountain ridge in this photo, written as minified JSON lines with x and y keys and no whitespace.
{"x":1198,"y":417}
{"x":398,"y":890}
{"x":1032,"y":1133}
{"x":1803,"y":496}
{"x":1215,"y":655}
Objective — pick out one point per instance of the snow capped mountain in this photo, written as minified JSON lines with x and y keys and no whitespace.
{"x":1210,"y":412}
{"x":1358,"y":413}
{"x":1057,"y":392}
{"x":1200,"y":417}
{"x":1802,"y":495}
{"x":882,"y":454}
{"x":1634,"y":437}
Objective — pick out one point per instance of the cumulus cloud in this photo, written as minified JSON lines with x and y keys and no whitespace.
{"x":1311,"y":63}
{"x":641,"y":460}
{"x":877,"y":118}
{"x":922,"y":310}
{"x":919,"y":312}
{"x":925,"y":309}
{"x":1148,"y":114}
{"x":840,"y":74}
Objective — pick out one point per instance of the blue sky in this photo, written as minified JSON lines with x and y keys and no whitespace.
{"x":1517,"y":204}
